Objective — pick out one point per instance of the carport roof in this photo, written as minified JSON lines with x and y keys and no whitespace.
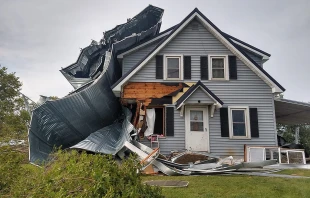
{"x":291,"y":112}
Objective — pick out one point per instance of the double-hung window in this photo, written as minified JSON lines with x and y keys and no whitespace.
{"x":218,"y":67}
{"x":173,"y":67}
{"x":239,"y":123}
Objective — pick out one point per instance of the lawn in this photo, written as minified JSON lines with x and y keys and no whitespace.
{"x":298,"y":172}
{"x":236,"y":186}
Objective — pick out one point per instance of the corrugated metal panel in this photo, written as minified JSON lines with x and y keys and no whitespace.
{"x":133,"y":58}
{"x":247,"y":90}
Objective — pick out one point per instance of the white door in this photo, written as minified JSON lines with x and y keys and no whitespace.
{"x":197,"y":128}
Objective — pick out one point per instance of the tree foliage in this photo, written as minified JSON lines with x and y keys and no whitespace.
{"x":13,"y":116}
{"x":73,"y":174}
{"x":288,"y":133}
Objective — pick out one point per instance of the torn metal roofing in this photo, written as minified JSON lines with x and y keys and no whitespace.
{"x":67,"y":121}
{"x":110,"y":139}
{"x":142,"y":27}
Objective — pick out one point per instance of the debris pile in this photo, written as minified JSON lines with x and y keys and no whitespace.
{"x":188,"y":162}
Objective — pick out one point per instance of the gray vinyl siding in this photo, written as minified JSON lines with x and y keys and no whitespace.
{"x":247,"y":90}
{"x":257,"y":58}
{"x":199,"y":95}
{"x":134,"y":57}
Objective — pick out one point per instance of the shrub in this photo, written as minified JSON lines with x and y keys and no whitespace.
{"x":10,"y":168}
{"x":73,"y":174}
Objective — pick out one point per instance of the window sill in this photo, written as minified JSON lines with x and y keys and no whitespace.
{"x":239,"y":138}
{"x":173,"y":79}
{"x":219,"y":79}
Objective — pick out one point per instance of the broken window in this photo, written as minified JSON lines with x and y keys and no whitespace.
{"x":159,"y":128}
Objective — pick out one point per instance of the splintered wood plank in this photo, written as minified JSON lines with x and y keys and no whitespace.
{"x":149,"y":89}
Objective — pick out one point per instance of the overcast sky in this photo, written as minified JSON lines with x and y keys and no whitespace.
{"x":38,"y":37}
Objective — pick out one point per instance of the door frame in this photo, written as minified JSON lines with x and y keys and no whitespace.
{"x":206,"y":121}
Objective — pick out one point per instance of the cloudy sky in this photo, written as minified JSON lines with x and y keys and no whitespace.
{"x":38,"y":37}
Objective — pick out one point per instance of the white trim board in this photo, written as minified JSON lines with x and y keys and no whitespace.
{"x":275,"y":88}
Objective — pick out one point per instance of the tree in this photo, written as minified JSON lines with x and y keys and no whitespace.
{"x":288,"y":133}
{"x":13,"y":116}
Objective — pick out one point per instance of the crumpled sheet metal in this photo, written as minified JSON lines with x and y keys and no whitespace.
{"x":69,"y":120}
{"x":141,"y":27}
{"x":110,"y":139}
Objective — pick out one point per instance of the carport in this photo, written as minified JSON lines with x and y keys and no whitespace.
{"x":290,"y":112}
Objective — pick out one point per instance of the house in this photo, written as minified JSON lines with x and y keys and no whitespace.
{"x":209,"y":90}
{"x":205,"y":90}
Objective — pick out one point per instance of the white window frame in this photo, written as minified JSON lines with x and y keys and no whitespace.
{"x":166,"y":56}
{"x":226,"y":68}
{"x":247,"y":122}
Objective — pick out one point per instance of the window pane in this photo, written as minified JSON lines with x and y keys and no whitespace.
{"x":196,"y":115}
{"x":196,"y":126}
{"x":217,"y":62}
{"x":173,"y":67}
{"x":218,"y":73}
{"x":239,"y":129}
{"x":238,"y":115}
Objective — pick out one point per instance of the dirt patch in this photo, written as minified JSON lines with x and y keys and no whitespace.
{"x":190,"y":157}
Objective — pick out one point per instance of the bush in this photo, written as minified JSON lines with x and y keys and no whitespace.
{"x":73,"y":174}
{"x":10,"y":168}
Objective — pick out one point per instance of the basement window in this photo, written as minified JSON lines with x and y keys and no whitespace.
{"x":173,"y":67}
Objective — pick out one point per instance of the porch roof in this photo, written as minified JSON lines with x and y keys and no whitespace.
{"x":192,"y":89}
{"x":291,"y":112}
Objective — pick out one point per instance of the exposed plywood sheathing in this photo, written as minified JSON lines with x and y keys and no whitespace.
{"x":142,"y":91}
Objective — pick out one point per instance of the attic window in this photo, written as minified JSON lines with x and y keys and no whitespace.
{"x":218,"y":68}
{"x":173,"y":67}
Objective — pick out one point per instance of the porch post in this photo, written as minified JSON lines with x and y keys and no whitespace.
{"x":297,"y":135}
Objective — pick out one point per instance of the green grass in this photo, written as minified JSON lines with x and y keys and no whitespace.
{"x":298,"y":172}
{"x":236,"y":186}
